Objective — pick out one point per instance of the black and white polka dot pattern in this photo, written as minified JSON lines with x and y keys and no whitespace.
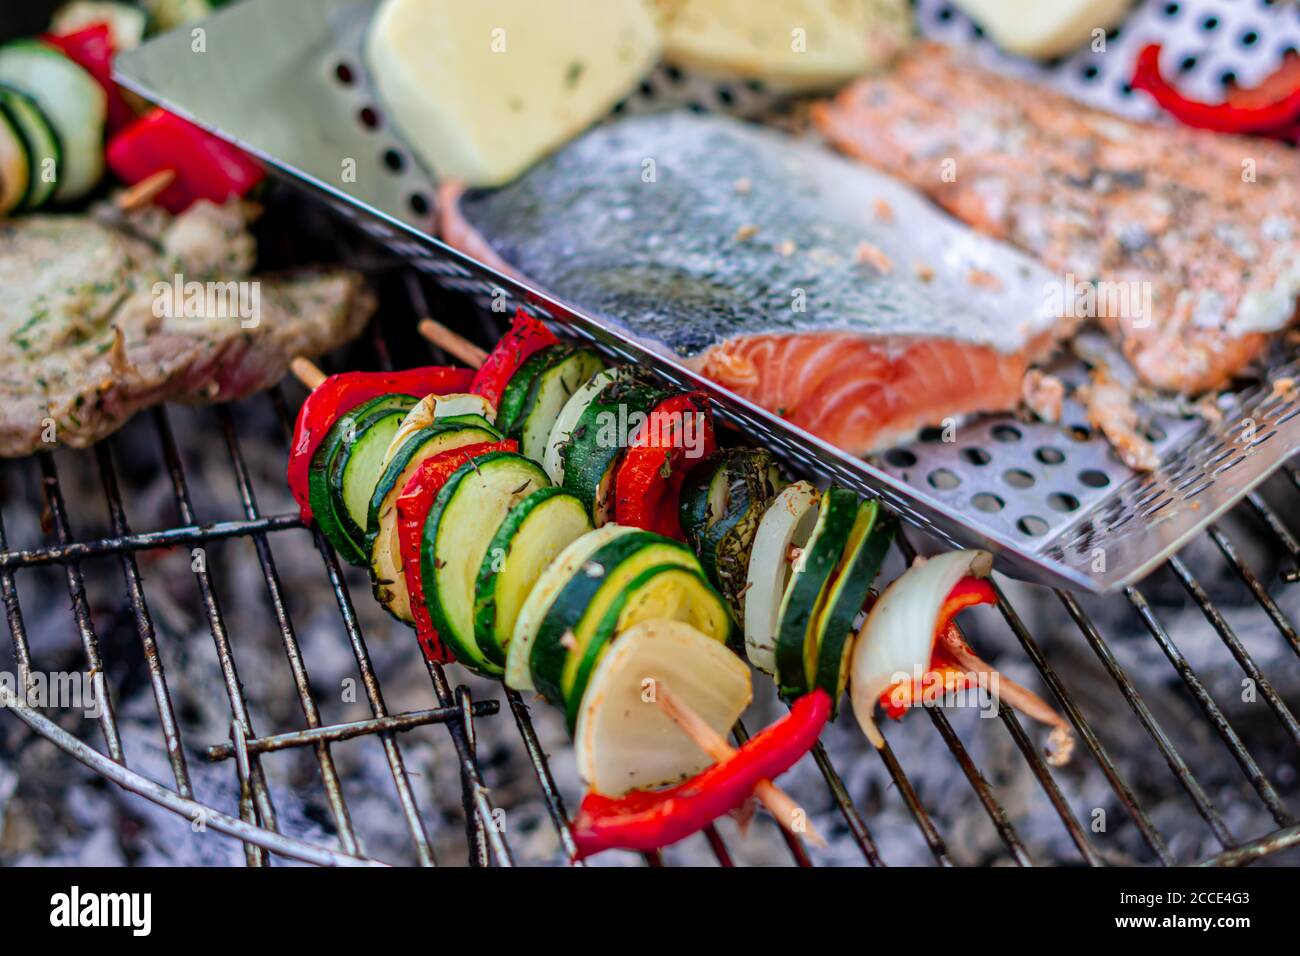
{"x":1206,"y":44}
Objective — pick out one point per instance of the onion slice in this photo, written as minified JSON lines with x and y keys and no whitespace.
{"x":787,"y":523}
{"x":897,"y":640}
{"x":428,"y":410}
{"x":910,"y":632}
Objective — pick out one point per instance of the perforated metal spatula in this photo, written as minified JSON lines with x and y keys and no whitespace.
{"x":285,"y":79}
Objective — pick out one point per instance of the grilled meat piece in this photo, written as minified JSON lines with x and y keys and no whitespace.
{"x":835,"y":296}
{"x":1208,"y":225}
{"x":100,"y":320}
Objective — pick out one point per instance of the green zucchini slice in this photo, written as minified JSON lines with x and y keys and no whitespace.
{"x":796,"y":635}
{"x":464,"y":518}
{"x":662,"y":592}
{"x":535,"y":531}
{"x":868,"y":544}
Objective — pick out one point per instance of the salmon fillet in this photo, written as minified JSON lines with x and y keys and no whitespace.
{"x":839,"y":298}
{"x":1203,"y":228}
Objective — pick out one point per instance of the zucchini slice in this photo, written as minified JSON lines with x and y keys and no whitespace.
{"x":569,"y":624}
{"x":44,"y":154}
{"x":359,"y":463}
{"x":722,"y":504}
{"x":74,"y":104}
{"x":670,"y":592}
{"x":464,"y":518}
{"x":869,"y":540}
{"x":538,"y":602}
{"x":535,"y":531}
{"x":15,"y":167}
{"x":382,"y":544}
{"x":624,"y":740}
{"x":323,"y":487}
{"x":787,"y":524}
{"x":565,"y":373}
{"x":565,"y":423}
{"x":510,"y":410}
{"x":596,"y":443}
{"x":796,"y":635}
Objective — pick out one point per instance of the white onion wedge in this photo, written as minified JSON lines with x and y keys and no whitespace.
{"x":519,"y":673}
{"x":624,"y":739}
{"x":787,"y":523}
{"x":899,"y":634}
{"x":432,"y":407}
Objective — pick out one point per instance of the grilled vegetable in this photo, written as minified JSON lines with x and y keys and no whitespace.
{"x":15,"y":165}
{"x":643,"y":820}
{"x":395,"y":566}
{"x":526,"y":336}
{"x":581,"y":602}
{"x":722,"y":503}
{"x":813,"y":573}
{"x":340,"y":394}
{"x":783,"y":533}
{"x":535,"y":531}
{"x":869,"y":541}
{"x":595,"y":444}
{"x":324,"y":489}
{"x":668,"y":592}
{"x":381,"y":518}
{"x":435,"y":408}
{"x":462,"y":522}
{"x":71,"y":101}
{"x":538,"y":392}
{"x":125,"y":22}
{"x":624,"y":740}
{"x":360,"y":461}
{"x":40,"y":145}
{"x":647,"y":488}
{"x":539,"y":600}
{"x":205,"y":166}
{"x":92,"y":48}
{"x":567,"y":421}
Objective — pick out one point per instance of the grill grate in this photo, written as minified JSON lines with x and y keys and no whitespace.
{"x":255,"y":822}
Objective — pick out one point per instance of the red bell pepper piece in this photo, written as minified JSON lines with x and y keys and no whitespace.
{"x":967,"y":592}
{"x":1275,"y":115}
{"x":206,"y":166}
{"x":91,"y":48}
{"x":526,"y":336}
{"x":650,"y":819}
{"x":341,"y":393}
{"x":649,"y":480}
{"x":413,"y":506}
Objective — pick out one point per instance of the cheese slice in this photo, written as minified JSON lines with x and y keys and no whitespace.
{"x":788,"y":44}
{"x":482,"y":89}
{"x":1043,"y":29}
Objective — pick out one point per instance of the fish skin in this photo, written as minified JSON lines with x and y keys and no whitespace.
{"x":1208,"y":223}
{"x":737,"y":226}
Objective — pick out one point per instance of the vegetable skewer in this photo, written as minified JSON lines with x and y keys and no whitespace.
{"x":783,"y":808}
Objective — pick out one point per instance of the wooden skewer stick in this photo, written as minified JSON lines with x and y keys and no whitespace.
{"x":455,"y":345}
{"x":779,"y":803}
{"x":145,"y":191}
{"x":307,"y":372}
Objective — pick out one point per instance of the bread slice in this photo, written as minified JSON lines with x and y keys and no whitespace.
{"x":787,"y":44}
{"x":482,"y":89}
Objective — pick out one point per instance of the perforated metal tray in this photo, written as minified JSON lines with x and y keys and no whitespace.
{"x":285,"y":79}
